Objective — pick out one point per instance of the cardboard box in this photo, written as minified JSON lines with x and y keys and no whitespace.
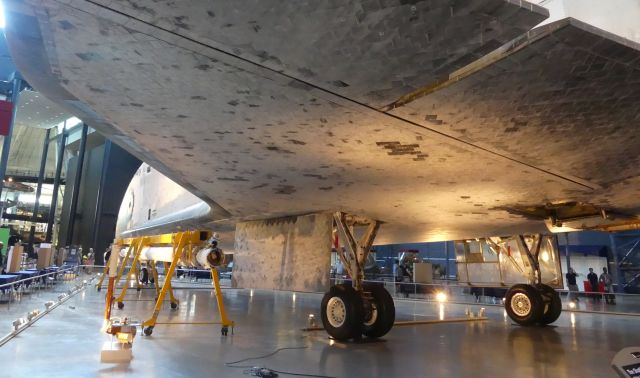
{"x":45,"y":257}
{"x":14,"y":258}
{"x":61,"y":256}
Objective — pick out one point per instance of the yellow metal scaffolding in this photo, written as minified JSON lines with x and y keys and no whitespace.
{"x":184,"y":244}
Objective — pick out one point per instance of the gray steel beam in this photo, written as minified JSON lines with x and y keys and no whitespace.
{"x":76,"y":185}
{"x":97,"y":220}
{"x":62,"y":141}
{"x":36,"y":206}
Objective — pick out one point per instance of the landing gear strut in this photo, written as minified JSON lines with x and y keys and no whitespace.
{"x":533,"y":304}
{"x":350,"y":311}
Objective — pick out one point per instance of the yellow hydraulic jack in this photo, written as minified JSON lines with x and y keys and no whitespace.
{"x":182,"y":244}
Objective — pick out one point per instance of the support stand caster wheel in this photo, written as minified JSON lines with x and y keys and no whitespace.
{"x":120,"y":305}
{"x":224,"y":331}
{"x":174,"y":305}
{"x":148,"y":331}
{"x":138,"y":289}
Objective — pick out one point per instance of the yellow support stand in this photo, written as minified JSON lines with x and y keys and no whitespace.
{"x":183,"y":244}
{"x":141,"y":243}
{"x":172,"y":298}
{"x":178,"y":245}
{"x":124,"y":263}
{"x":156,"y":282}
{"x":226,"y":323}
{"x":105,"y":272}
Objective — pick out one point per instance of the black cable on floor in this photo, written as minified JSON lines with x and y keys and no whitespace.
{"x":231,"y":364}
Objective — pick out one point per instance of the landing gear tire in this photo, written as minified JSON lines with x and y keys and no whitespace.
{"x":342,"y":313}
{"x":148,"y":331}
{"x":120,"y":305}
{"x":553,"y":304}
{"x":99,"y":289}
{"x":224,"y":331}
{"x":382,"y":312}
{"x":174,"y":305}
{"x":524,"y":304}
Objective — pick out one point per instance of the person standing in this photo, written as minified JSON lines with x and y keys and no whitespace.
{"x":571,"y":283}
{"x":606,"y":279}
{"x":593,"y":282}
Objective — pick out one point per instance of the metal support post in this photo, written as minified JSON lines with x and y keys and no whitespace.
{"x":36,"y":206}
{"x":216,"y":285}
{"x":62,"y":141}
{"x":177,"y":252}
{"x":97,"y":220}
{"x":357,"y":250}
{"x":6,"y":144}
{"x":172,"y":297}
{"x":76,"y":185}
{"x":618,"y":276}
{"x":532,"y":255}
{"x":566,"y":250}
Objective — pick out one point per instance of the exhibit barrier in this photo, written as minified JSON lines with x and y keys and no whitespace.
{"x":606,"y":303}
{"x":13,"y":286}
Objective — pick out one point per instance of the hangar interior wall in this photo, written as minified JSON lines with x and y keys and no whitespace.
{"x":292,"y":253}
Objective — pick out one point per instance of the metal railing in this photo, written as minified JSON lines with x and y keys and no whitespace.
{"x":14,"y":290}
{"x":68,"y":275}
{"x":607,"y":303}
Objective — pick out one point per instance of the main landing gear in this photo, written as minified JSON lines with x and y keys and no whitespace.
{"x":533,"y":304}
{"x":349,"y":312}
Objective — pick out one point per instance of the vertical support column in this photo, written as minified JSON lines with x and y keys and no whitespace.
{"x":36,"y":206}
{"x":446,"y":268}
{"x":76,"y":185}
{"x":618,"y":277}
{"x":566,"y":250}
{"x":100,"y":197}
{"x":6,"y":144}
{"x":62,"y":142}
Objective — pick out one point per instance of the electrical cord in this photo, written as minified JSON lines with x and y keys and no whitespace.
{"x":262,"y":372}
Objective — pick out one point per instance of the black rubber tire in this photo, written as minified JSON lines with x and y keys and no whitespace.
{"x":120,"y":305}
{"x":174,"y":306}
{"x":536,"y":308}
{"x":354,"y":313}
{"x":553,"y":304}
{"x":385,"y":312}
{"x":148,"y":331}
{"x":99,"y":289}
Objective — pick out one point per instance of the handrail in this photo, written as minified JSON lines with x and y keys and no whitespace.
{"x":35,"y":277}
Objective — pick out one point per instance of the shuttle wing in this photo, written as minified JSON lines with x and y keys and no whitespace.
{"x":382,"y":110}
